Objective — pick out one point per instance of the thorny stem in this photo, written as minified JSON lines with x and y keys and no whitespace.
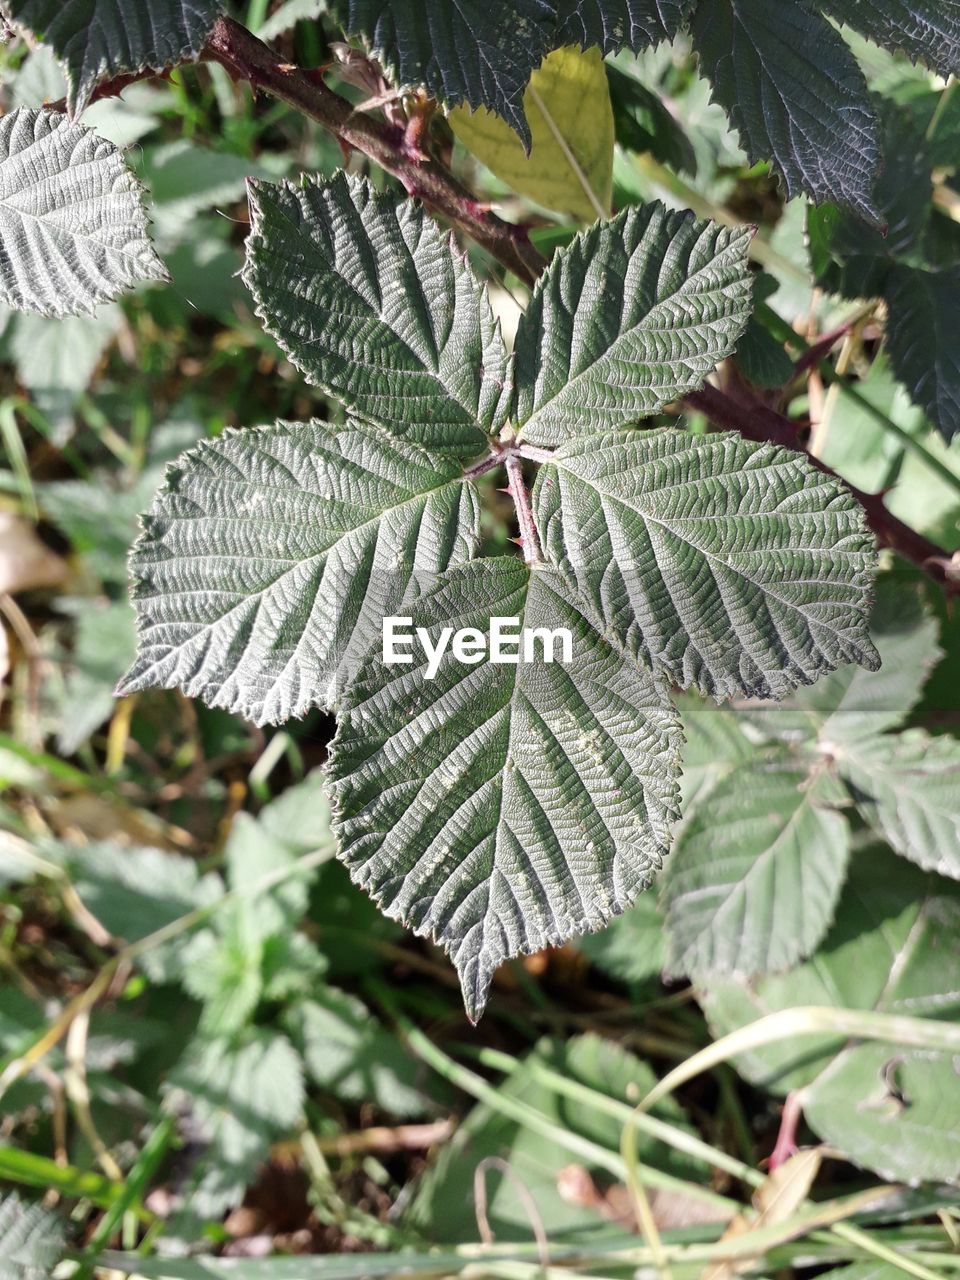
{"x":529,"y":540}
{"x":248,"y":58}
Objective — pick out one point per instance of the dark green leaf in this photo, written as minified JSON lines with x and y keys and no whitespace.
{"x":620,"y":24}
{"x":476,"y":51}
{"x":926,"y":30}
{"x":795,"y":93}
{"x":95,"y":39}
{"x":921,"y":337}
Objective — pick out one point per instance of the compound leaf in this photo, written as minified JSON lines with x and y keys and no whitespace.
{"x":31,"y":1240}
{"x":921,"y":338}
{"x":683,"y":292}
{"x":894,"y":948}
{"x":476,"y":51}
{"x":73,"y":231}
{"x":738,"y":568}
{"x":569,"y":165}
{"x":753,"y":882}
{"x":907,"y":787}
{"x":269,"y":558}
{"x":502,"y":808}
{"x":621,"y":24}
{"x":925,"y":30}
{"x":95,"y":39}
{"x":376,"y":307}
{"x":795,"y":93}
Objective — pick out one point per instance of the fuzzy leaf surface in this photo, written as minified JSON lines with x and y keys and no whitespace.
{"x":907,"y":787}
{"x":796,"y":95}
{"x":503,"y":808}
{"x":854,"y":704}
{"x":621,"y":24}
{"x":269,"y":558}
{"x":921,"y":337}
{"x":926,"y":31}
{"x":373,"y":305}
{"x":753,"y":882}
{"x":476,"y":51}
{"x":96,"y":39}
{"x":895,"y":948}
{"x":632,"y":315}
{"x":73,"y":231}
{"x":734,"y":567}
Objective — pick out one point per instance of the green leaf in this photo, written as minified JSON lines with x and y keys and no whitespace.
{"x":924,"y":319}
{"x":621,"y":24}
{"x":349,"y":1052}
{"x":753,"y":882}
{"x":240,"y":1095}
{"x":853,"y":704}
{"x":73,"y":231}
{"x":796,"y":95}
{"x":103,"y":647}
{"x":95,"y":39}
{"x":569,"y":165}
{"x":907,"y":787}
{"x":714,"y":743}
{"x":684,"y":292}
{"x":286,"y":17}
{"x":854,"y":260}
{"x":894,"y":949}
{"x":31,"y":1240}
{"x":270,"y":556}
{"x":476,"y":51}
{"x":56,"y":360}
{"x":503,"y":808}
{"x":376,"y":307}
{"x":925,"y":30}
{"x":737,"y":568}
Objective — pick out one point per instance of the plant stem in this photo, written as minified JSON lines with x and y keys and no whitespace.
{"x":529,"y":539}
{"x":248,"y":58}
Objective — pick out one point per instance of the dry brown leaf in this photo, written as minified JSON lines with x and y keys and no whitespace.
{"x":25,"y":563}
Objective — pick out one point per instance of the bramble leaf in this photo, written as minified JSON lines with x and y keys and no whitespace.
{"x":31,"y":1240}
{"x":621,"y":24}
{"x":921,"y":338}
{"x":503,"y":808}
{"x":735,"y":567}
{"x":907,"y":787}
{"x":632,"y":315}
{"x":270,"y":556}
{"x":894,"y":949}
{"x":376,"y":307}
{"x":95,"y":39}
{"x":476,"y":51}
{"x":795,"y":93}
{"x":569,"y":165}
{"x":925,"y":30}
{"x":73,"y":231}
{"x":753,"y":882}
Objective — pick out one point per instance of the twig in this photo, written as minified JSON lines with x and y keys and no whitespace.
{"x":248,"y":58}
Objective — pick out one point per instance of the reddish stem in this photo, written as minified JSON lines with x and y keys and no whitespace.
{"x":248,"y":58}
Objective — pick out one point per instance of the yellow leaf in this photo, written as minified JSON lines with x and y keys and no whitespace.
{"x":570,"y":165}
